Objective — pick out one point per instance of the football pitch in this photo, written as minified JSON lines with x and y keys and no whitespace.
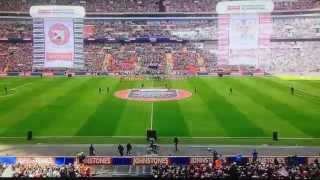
{"x":71,"y":110}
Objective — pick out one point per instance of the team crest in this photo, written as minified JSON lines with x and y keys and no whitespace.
{"x":59,"y":34}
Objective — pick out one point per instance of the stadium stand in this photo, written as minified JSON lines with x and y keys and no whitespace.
{"x":137,"y":57}
{"x":15,"y":29}
{"x":15,"y":57}
{"x":186,"y":46}
{"x":256,"y":170}
{"x":107,"y":6}
{"x":296,"y":27}
{"x":302,"y":33}
{"x":286,"y":27}
{"x":235,"y":167}
{"x":43,"y":171}
{"x":127,"y":29}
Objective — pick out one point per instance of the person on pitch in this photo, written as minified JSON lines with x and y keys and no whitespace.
{"x":254,"y":155}
{"x":129,"y":148}
{"x":176,"y":141}
{"x":5,"y":90}
{"x":230,"y":91}
{"x":215,"y":155}
{"x":120,"y":149}
{"x":292,"y":90}
{"x":92,"y":151}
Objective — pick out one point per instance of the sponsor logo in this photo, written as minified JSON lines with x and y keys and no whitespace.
{"x":150,"y":160}
{"x":35,"y":160}
{"x":97,"y":160}
{"x":200,"y":160}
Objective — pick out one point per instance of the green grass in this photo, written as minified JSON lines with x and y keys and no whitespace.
{"x":71,"y":110}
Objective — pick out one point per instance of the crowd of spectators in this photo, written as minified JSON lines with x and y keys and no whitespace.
{"x":295,"y":57}
{"x":15,"y":29}
{"x":179,"y":29}
{"x":121,"y":6}
{"x":287,"y":5}
{"x":43,"y":171}
{"x":294,"y":27}
{"x":294,"y":46}
{"x":190,"y":5}
{"x":141,"y":58}
{"x":15,"y":57}
{"x":254,"y":170}
{"x":111,"y":6}
{"x":170,"y":58}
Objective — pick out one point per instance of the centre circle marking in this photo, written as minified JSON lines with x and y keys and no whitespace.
{"x":153,"y":95}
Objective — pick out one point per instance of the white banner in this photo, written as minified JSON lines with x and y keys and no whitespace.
{"x":59,"y":43}
{"x":243,"y":57}
{"x":57,"y":11}
{"x":223,"y":39}
{"x":265,"y":30}
{"x":244,"y":7}
{"x":244,"y":31}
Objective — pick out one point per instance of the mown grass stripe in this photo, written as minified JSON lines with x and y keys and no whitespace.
{"x":234,"y":122}
{"x":196,"y":113}
{"x":305,"y":95}
{"x":70,"y":113}
{"x":23,"y":104}
{"x":135,"y":118}
{"x":264,"y":118}
{"x":105,"y":119}
{"x":273,"y":101}
{"x":168,"y":118}
{"x":47,"y":111}
{"x":24,"y":93}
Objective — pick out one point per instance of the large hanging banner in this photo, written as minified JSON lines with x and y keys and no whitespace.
{"x":223,"y":39}
{"x":245,"y":28}
{"x":57,"y":36}
{"x":244,"y":31}
{"x":59,"y":43}
{"x":243,"y":39}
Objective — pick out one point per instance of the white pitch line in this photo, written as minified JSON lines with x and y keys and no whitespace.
{"x":151,"y":118}
{"x":21,"y":137}
{"x":20,"y":86}
{"x":15,"y":88}
{"x":183,"y":137}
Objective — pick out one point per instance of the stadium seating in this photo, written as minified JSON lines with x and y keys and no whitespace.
{"x":258,"y":170}
{"x":235,"y":167}
{"x":15,"y":57}
{"x":107,"y":6}
{"x":295,"y":27}
{"x":128,"y":29}
{"x":195,"y":47}
{"x":43,"y":171}
{"x":135,"y":57}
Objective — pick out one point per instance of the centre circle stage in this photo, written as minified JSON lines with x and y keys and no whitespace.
{"x":153,"y":95}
